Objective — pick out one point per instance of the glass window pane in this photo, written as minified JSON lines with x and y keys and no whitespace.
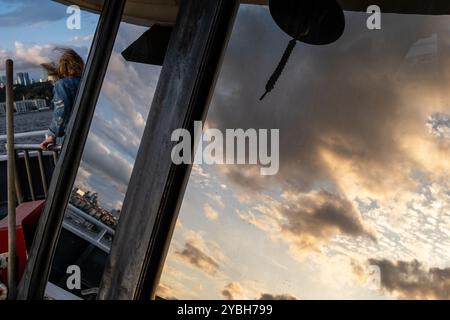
{"x":108,"y":159}
{"x":360,"y":205}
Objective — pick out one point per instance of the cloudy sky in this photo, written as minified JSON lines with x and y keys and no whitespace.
{"x":360,"y":207}
{"x":31,"y":29}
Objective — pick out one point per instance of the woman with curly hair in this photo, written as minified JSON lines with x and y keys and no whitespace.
{"x":67,"y":77}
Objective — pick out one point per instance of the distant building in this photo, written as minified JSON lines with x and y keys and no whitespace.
{"x":23,"y":78}
{"x":3,"y":80}
{"x":2,"y":108}
{"x":80,"y":192}
{"x":87,"y":201}
{"x":20,"y":79}
{"x":45,"y":74}
{"x":27,"y":79}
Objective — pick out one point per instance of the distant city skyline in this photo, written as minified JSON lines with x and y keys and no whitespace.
{"x":21,"y":78}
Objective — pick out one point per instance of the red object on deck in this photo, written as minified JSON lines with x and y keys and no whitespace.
{"x":27,"y":215}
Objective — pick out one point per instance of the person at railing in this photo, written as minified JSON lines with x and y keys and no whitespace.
{"x":67,"y":76}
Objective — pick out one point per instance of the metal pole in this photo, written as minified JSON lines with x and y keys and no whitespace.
{"x":55,"y":157}
{"x":42,"y":171}
{"x":26,"y":157}
{"x":35,"y":277}
{"x":17,"y":185}
{"x":11,"y":181}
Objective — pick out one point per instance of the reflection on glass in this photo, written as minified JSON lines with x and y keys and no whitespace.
{"x":108,"y":158}
{"x":360,"y":206}
{"x":33,"y":33}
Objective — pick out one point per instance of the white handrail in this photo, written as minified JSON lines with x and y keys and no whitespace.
{"x":30,"y":134}
{"x":96,"y":241}
{"x":91,"y":219}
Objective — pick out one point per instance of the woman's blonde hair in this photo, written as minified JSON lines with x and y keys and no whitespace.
{"x":70,"y":65}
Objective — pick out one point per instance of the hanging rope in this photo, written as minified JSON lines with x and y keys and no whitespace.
{"x":277,"y":73}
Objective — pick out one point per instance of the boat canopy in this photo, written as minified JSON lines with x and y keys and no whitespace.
{"x":148,"y":12}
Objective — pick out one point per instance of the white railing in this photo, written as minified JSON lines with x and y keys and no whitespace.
{"x":75,"y":220}
{"x":97,"y":238}
{"x":28,"y":151}
{"x":31,"y":134}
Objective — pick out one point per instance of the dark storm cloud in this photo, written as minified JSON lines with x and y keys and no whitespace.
{"x":23,"y":12}
{"x":336,"y":104}
{"x":227,"y":294}
{"x":231,"y":291}
{"x":343,"y":97}
{"x":306,"y":221}
{"x":194,"y":255}
{"x":318,"y":216}
{"x":268,"y":296}
{"x":412,"y":280}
